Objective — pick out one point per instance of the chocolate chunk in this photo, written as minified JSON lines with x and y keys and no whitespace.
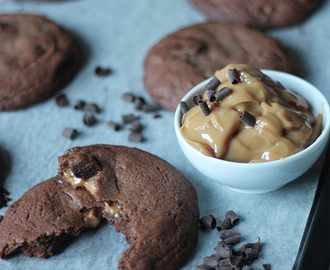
{"x":222,"y":93}
{"x":61,"y":100}
{"x":233,"y":76}
{"x":236,"y":238}
{"x":91,"y":107}
{"x":224,"y":225}
{"x":211,"y":261}
{"x":247,"y":118}
{"x":204,"y":107}
{"x":157,"y":115}
{"x":4,"y":197}
{"x":135,"y":137}
{"x":208,"y":222}
{"x":58,"y":243}
{"x":128,"y":118}
{"x":226,"y":233}
{"x":255,"y":245}
{"x":223,"y":251}
{"x":103,"y":71}
{"x":266,"y":266}
{"x":235,"y":261}
{"x":89,"y":120}
{"x":114,"y":126}
{"x":184,"y":108}
{"x":128,"y":97}
{"x":213,"y":84}
{"x":149,"y":108}
{"x":224,"y":263}
{"x":234,"y":219}
{"x":250,"y":253}
{"x":70,"y":133}
{"x":196,"y":98}
{"x":136,"y":126}
{"x":85,"y":167}
{"x":138,"y":103}
{"x":210,"y":95}
{"x":79,"y":106}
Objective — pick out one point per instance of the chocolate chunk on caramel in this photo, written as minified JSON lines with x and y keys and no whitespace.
{"x":85,"y":167}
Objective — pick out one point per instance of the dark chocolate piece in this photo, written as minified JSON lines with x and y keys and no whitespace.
{"x":136,"y":126}
{"x":224,"y":225}
{"x":210,"y":95}
{"x":138,"y":103}
{"x":128,"y":118}
{"x":234,"y":219}
{"x":89,"y":120}
{"x":79,"y":106}
{"x":128,"y":97}
{"x":223,"y":251}
{"x":250,"y":253}
{"x":61,"y":100}
{"x":69,"y":133}
{"x":236,"y":238}
{"x":103,"y":71}
{"x":114,"y":126}
{"x":226,"y":233}
{"x":247,"y":118}
{"x":235,"y":261}
{"x":213,"y":84}
{"x":135,"y":137}
{"x":157,"y":115}
{"x":233,"y":76}
{"x":149,"y":108}
{"x":184,"y":108}
{"x":204,"y":107}
{"x":4,"y":197}
{"x":91,"y":107}
{"x":208,"y":222}
{"x":224,"y":263}
{"x":85,"y":167}
{"x":266,"y":266}
{"x":255,"y":245}
{"x":211,"y":261}
{"x":222,"y":93}
{"x":196,"y":98}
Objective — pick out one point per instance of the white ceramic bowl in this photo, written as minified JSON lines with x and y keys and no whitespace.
{"x":257,"y":178}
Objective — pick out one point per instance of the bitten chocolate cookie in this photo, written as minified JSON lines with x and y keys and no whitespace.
{"x":144,"y":197}
{"x":37,"y":58}
{"x":187,"y":57}
{"x":260,"y":14}
{"x":42,"y":221}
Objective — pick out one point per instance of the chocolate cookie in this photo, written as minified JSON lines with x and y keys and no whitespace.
{"x":37,"y":58}
{"x":41,"y":222}
{"x":260,"y":14}
{"x":144,"y":197}
{"x":187,"y":57}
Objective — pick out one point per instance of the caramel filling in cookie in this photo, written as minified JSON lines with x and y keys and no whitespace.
{"x":113,"y":209}
{"x":79,"y":182}
{"x":92,"y":218}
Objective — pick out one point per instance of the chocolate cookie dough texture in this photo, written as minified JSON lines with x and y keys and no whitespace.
{"x":262,"y":14}
{"x":188,"y":56}
{"x":37,"y":58}
{"x":141,"y":195}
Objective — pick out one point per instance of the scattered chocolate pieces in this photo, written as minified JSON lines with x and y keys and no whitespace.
{"x":103,"y":71}
{"x":210,"y":95}
{"x":138,"y":103}
{"x":208,"y":222}
{"x":196,"y":98}
{"x":266,"y":266}
{"x":247,"y":118}
{"x":226,"y":233}
{"x":135,"y":137}
{"x":79,"y":106}
{"x":91,"y":107}
{"x":4,"y":197}
{"x":223,"y":250}
{"x":222,"y":93}
{"x":149,"y":108}
{"x":136,"y":126}
{"x":224,"y":225}
{"x":184,"y":108}
{"x":70,"y":133}
{"x":61,"y":100}
{"x":204,"y":107}
{"x":236,"y":238}
{"x":233,"y":76}
{"x":114,"y":126}
{"x":89,"y":120}
{"x":128,"y":97}
{"x":213,"y":84}
{"x":234,"y":219}
{"x":129,"y":118}
{"x":250,"y":253}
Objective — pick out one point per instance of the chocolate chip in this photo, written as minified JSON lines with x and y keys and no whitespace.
{"x":149,"y":108}
{"x":61,"y":100}
{"x":157,"y":115}
{"x":234,"y":219}
{"x":128,"y":97}
{"x":91,"y":107}
{"x":138,"y":103}
{"x":136,"y":126}
{"x":89,"y":120}
{"x":135,"y":137}
{"x":184,"y":107}
{"x":204,"y":107}
{"x":79,"y":106}
{"x":213,"y":84}
{"x":114,"y":126}
{"x":248,"y":119}
{"x":85,"y":167}
{"x":222,"y":93}
{"x":70,"y":133}
{"x":208,"y":222}
{"x":58,"y":243}
{"x":233,"y":76}
{"x":129,"y":118}
{"x":103,"y":71}
{"x":266,"y":266}
{"x":4,"y":197}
